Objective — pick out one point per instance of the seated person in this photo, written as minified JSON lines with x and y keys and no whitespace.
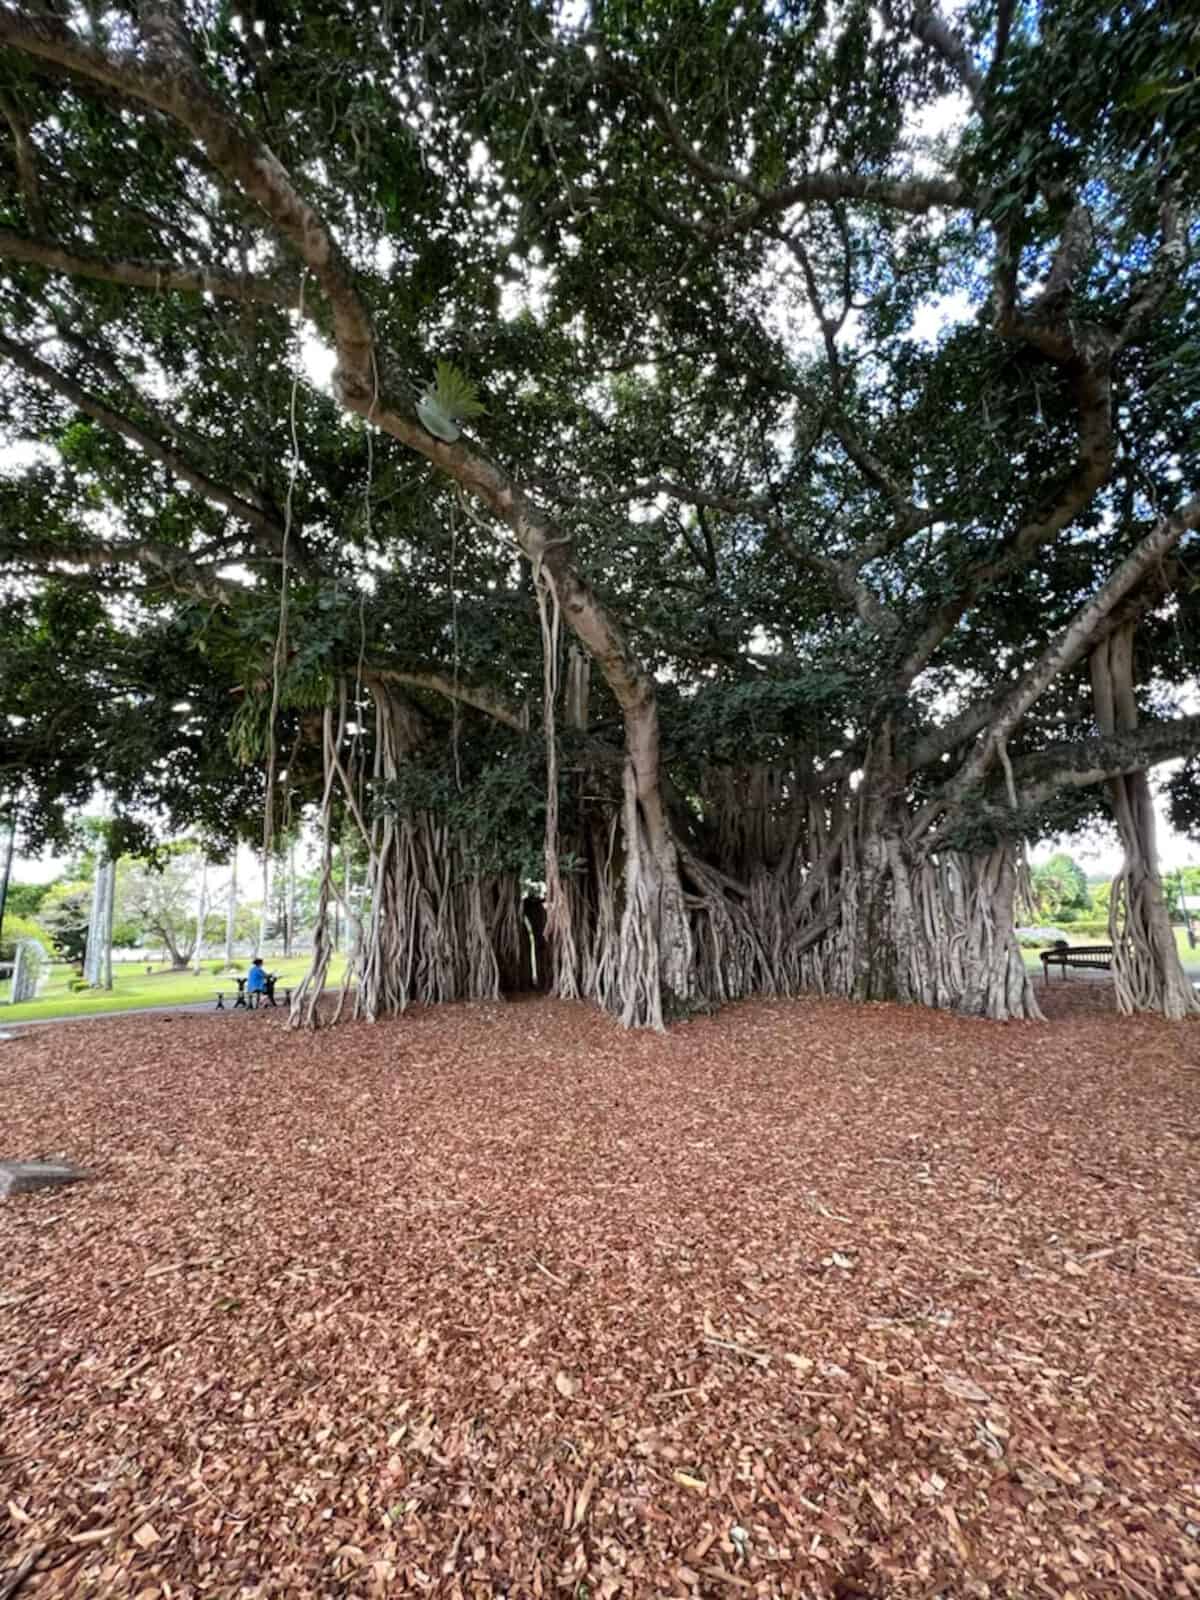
{"x":256,"y":982}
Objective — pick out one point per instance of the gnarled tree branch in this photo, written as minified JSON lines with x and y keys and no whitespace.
{"x":1069,"y":647}
{"x":267,"y":529}
{"x":161,"y":276}
{"x":481,"y":698}
{"x":181,"y":572}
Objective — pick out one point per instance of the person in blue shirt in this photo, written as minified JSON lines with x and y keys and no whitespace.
{"x":256,"y":982}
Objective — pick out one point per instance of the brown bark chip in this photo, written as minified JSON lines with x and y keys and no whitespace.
{"x":803,"y":1299}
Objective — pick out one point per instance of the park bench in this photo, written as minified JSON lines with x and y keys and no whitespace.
{"x":1096,"y":956}
{"x":241,"y":995}
{"x":269,"y":992}
{"x":244,"y":999}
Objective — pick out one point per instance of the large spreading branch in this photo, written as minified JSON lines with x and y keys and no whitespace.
{"x":162,"y":74}
{"x":478,"y":696}
{"x":1062,"y":653}
{"x":159,"y":276}
{"x":265,"y":526}
{"x":1041,"y":779}
{"x":181,"y":571}
{"x":914,"y":196}
{"x":963,"y":728}
{"x":928,"y":25}
{"x":1084,"y":353}
{"x":1086,"y":762}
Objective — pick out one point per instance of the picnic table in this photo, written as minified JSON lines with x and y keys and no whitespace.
{"x":250,"y":1002}
{"x":1098,"y":957}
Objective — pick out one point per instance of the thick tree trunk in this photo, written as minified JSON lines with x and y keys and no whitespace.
{"x":940,"y":932}
{"x":1147,"y":971}
{"x":201,"y":914}
{"x":970,"y":928}
{"x":260,"y":939}
{"x":642,"y":966}
{"x":97,"y":960}
{"x":231,"y":909}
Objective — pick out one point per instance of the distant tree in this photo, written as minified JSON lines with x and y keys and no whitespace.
{"x":127,"y":933}
{"x":161,"y":898}
{"x":1061,"y":888}
{"x":24,"y":899}
{"x":64,"y":914}
{"x":17,"y":928}
{"x":245,"y":924}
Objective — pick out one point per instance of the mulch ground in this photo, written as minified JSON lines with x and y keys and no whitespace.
{"x":804,"y":1299}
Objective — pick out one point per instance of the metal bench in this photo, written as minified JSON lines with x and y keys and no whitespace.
{"x":266,"y":997}
{"x":241,"y":995}
{"x":259,"y":997}
{"x":1098,"y":957}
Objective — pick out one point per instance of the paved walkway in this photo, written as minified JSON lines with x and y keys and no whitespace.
{"x":9,"y":1029}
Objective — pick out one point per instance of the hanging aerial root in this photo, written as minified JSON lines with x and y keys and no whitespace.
{"x":307,"y":996}
{"x":560,"y":933}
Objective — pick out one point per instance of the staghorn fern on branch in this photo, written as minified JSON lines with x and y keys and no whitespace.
{"x":452,"y":398}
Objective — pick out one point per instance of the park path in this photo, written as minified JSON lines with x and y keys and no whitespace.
{"x":189,"y":1007}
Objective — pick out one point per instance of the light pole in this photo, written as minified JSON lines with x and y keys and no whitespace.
{"x":8,"y":861}
{"x":1183,"y":906}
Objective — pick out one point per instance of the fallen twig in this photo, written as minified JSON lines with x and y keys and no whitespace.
{"x":1099,"y":1255}
{"x":16,"y":1578}
{"x":561,"y":1282}
{"x":719,"y":1575}
{"x":185,"y":1266}
{"x":823,"y":1210}
{"x":123,"y":1378}
{"x":759,"y":1357}
{"x":20,"y":1300}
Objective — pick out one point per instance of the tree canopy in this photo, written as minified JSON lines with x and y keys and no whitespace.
{"x":736,"y":463}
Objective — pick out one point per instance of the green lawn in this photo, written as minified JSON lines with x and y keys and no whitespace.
{"x":134,"y":987}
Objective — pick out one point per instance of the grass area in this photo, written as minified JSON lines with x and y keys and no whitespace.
{"x":134,"y":987}
{"x":1189,"y":957}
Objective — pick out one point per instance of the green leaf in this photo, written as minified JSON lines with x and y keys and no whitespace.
{"x":1151,"y":89}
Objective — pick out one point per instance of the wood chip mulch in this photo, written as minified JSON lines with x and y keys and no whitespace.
{"x":804,"y":1299}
